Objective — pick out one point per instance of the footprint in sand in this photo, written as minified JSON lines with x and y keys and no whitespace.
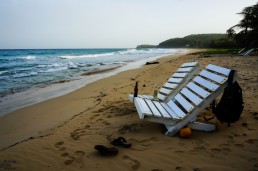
{"x":221,"y":148}
{"x":64,"y":154}
{"x":141,"y":145}
{"x":94,"y":116}
{"x":76,"y":134}
{"x":215,"y":150}
{"x":130,"y":128}
{"x":99,"y":120}
{"x":239,"y":145}
{"x":77,"y":157}
{"x":59,"y":145}
{"x":109,"y":116}
{"x":226,"y":149}
{"x":252,"y":141}
{"x":179,"y":152}
{"x":87,"y":126}
{"x":106,"y":123}
{"x":135,"y":164}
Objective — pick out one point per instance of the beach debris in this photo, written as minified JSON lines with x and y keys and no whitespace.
{"x":185,"y":132}
{"x":178,"y":167}
{"x":120,"y":141}
{"x":150,"y":63}
{"x":135,"y":89}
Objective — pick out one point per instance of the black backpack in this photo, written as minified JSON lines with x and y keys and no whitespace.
{"x":231,"y":103}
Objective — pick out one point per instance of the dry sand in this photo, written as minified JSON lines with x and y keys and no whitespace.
{"x":60,"y":134}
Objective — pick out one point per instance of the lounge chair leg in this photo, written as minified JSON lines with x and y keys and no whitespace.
{"x":202,"y":126}
{"x":171,"y":130}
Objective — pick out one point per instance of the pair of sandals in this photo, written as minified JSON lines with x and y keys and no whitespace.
{"x":111,"y":151}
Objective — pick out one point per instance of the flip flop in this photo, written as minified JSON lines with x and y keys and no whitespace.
{"x":121,"y":141}
{"x":106,"y":151}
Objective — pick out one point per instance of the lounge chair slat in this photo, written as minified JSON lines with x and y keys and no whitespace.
{"x":147,"y":97}
{"x":175,"y":80}
{"x":198,"y":90}
{"x":180,"y":75}
{"x":191,"y":96}
{"x":185,"y":69}
{"x":170,"y":85}
{"x":176,"y":109}
{"x":188,"y":107}
{"x":165,"y":91}
{"x":153,"y":108}
{"x":171,"y":112}
{"x":141,"y":96}
{"x":162,"y":110}
{"x":212,"y":76}
{"x":143,"y":107}
{"x":218,"y":69}
{"x":161,"y":96}
{"x":189,"y":64}
{"x":205,"y":83}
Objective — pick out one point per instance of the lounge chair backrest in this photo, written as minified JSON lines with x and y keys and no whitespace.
{"x":177,"y":81}
{"x":206,"y":86}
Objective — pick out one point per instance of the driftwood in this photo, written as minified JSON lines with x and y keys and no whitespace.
{"x":150,"y":63}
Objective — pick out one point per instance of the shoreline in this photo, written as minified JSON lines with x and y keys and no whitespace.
{"x":13,"y":102}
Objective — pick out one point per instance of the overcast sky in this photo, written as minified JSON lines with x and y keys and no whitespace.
{"x":111,"y":23}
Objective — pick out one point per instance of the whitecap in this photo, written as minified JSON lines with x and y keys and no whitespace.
{"x":54,"y":69}
{"x":29,"y":57}
{"x":41,"y":66}
{"x":86,"y":56}
{"x":133,"y":52}
{"x":24,"y":75}
{"x":3,"y":72}
{"x":72,"y":65}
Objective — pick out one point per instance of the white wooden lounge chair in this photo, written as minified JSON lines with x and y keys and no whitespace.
{"x":184,"y":107}
{"x":175,"y":83}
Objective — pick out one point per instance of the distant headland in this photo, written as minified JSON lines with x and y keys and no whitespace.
{"x":215,"y":40}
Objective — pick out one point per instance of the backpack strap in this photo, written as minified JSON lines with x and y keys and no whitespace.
{"x":231,"y":77}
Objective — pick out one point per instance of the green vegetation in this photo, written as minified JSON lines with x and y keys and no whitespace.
{"x":196,"y":41}
{"x":199,"y":41}
{"x":217,"y":51}
{"x":146,"y":46}
{"x":247,"y":36}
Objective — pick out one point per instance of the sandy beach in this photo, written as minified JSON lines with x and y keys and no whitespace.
{"x":60,"y":133}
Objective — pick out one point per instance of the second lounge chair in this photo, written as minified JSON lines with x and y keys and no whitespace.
{"x":175,"y":83}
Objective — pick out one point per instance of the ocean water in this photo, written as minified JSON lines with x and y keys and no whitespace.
{"x":29,"y":76}
{"x":27,"y":68}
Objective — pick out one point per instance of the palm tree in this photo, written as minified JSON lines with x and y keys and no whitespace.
{"x":231,"y":33}
{"x":248,"y":28}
